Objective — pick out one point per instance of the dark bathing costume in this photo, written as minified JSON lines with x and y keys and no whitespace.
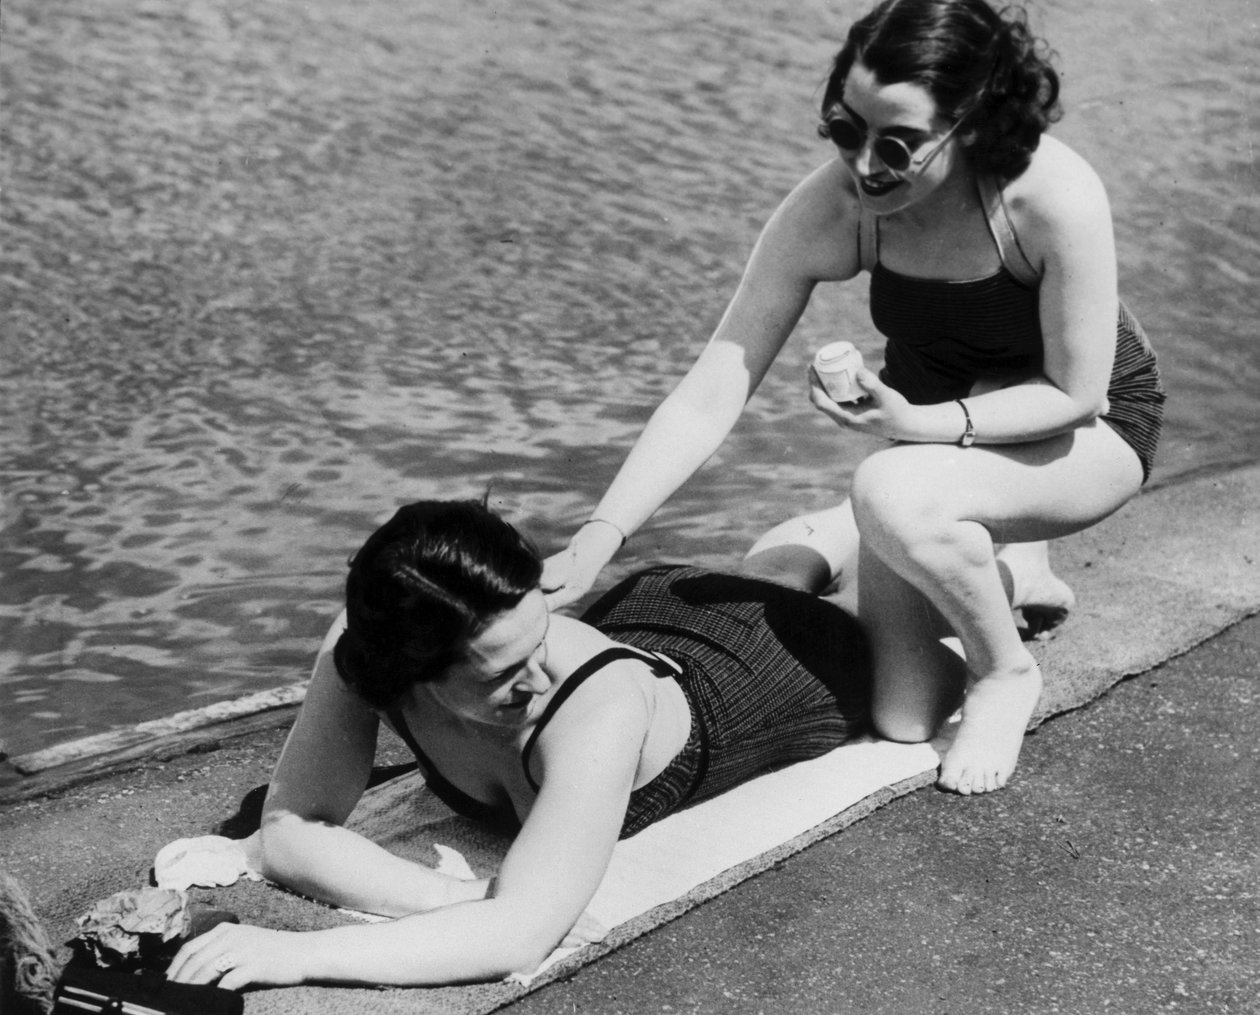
{"x":945,"y":335}
{"x":772,"y":676}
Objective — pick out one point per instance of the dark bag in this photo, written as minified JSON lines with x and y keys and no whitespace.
{"x":87,"y":989}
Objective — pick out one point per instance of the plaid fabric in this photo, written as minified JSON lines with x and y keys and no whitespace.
{"x":773,"y":675}
{"x":1135,"y":392}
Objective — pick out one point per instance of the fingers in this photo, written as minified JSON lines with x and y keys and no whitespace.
{"x":556,"y":569}
{"x":557,"y":582}
{"x":825,"y":404}
{"x":212,"y":957}
{"x":847,"y":413}
{"x":561,"y":597}
{"x":198,"y":960}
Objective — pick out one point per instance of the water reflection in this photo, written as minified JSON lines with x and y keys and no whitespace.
{"x":277,"y":268}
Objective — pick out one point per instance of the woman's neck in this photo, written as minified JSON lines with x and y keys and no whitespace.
{"x":946,"y":208}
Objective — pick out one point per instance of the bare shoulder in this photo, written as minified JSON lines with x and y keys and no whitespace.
{"x":604,"y":723}
{"x":1058,"y":199}
{"x":618,"y":686}
{"x":815,"y":228}
{"x":571,"y":642}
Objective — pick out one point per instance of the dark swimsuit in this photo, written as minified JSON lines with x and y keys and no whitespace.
{"x":944,"y":335}
{"x":771,"y":676}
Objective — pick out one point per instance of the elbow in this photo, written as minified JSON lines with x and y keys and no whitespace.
{"x":272,"y":856}
{"x":1092,"y":408}
{"x":522,"y":958}
{"x":525,"y":955}
{"x":1086,"y":405}
{"x":523,"y":944}
{"x":278,"y":852}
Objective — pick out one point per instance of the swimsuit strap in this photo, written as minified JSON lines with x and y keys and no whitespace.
{"x":445,"y":790}
{"x":1012,"y":254}
{"x":661,"y":667}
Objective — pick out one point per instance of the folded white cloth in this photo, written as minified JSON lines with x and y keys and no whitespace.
{"x":206,"y":861}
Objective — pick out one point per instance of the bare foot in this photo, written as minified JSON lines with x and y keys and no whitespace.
{"x":995,"y":714}
{"x":1044,"y":597}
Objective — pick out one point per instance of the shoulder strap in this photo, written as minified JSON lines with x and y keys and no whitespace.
{"x":395,"y":716}
{"x":1009,"y":250}
{"x":445,"y":790}
{"x":575,"y":680}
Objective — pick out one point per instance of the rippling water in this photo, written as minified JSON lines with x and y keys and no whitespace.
{"x":271,"y":269}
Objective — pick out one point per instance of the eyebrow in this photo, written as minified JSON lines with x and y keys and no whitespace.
{"x":852,"y":113}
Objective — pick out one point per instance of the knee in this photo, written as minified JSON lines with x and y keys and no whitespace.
{"x":905,"y":512}
{"x":895,"y":504}
{"x":889,"y":493}
{"x":797,"y":567}
{"x":902,"y":728}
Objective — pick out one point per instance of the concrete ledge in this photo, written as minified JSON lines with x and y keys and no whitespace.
{"x":64,"y":765}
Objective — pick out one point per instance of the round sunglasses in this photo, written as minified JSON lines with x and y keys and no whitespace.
{"x":891,"y":151}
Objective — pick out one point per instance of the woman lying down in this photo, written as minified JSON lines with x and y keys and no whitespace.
{"x":677,"y":685}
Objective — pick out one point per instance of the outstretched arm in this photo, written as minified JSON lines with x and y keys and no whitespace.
{"x":588,"y":758}
{"x":803,"y":243}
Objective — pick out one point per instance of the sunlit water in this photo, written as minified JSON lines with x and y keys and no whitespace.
{"x":271,"y":269}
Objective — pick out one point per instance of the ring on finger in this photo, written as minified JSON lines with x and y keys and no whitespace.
{"x":224,"y":963}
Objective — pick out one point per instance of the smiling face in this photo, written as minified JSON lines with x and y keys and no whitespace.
{"x":907,"y":112}
{"x":502,"y":676}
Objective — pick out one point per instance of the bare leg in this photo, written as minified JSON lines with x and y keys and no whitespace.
{"x":955,"y":568}
{"x":808,"y":552}
{"x":1031,"y":585}
{"x":918,"y":681}
{"x":814,"y":551}
{"x":930,"y":513}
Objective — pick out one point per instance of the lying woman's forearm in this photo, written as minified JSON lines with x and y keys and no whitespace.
{"x":484,"y":940}
{"x":336,"y":865}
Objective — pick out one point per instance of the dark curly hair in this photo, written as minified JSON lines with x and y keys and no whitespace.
{"x":423,"y":585}
{"x":975,"y":62}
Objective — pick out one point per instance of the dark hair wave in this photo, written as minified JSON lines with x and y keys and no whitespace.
{"x":976,"y":62}
{"x":421,"y":587}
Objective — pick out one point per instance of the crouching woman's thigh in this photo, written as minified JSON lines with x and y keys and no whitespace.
{"x":906,"y":492}
{"x":1020,"y":492}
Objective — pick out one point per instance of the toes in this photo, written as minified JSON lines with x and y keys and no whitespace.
{"x":972,"y":781}
{"x":955,"y":781}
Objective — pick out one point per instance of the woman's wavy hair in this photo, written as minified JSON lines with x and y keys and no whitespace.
{"x":976,"y":62}
{"x":422,"y":586}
